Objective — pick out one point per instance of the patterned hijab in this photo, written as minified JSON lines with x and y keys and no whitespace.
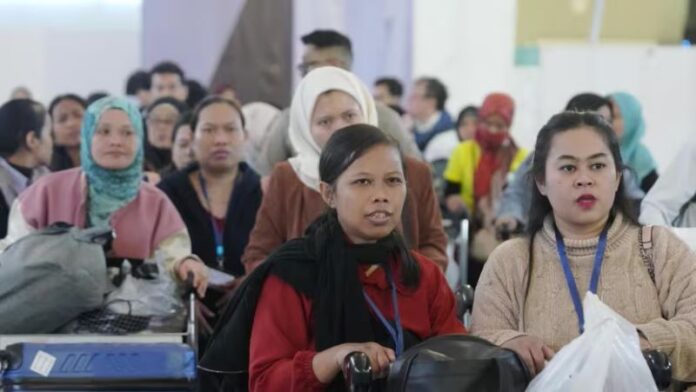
{"x":109,"y":190}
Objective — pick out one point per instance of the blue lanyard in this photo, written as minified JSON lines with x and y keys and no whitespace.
{"x":570,"y":280}
{"x":397,"y":334}
{"x":217,"y":233}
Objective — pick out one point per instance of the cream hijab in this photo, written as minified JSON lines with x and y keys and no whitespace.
{"x":317,"y":82}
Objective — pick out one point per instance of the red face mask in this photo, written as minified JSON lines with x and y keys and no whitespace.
{"x":488,"y":140}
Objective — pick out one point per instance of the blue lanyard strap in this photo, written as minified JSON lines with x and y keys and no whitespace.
{"x":397,"y":334}
{"x":570,"y":280}
{"x":217,"y":232}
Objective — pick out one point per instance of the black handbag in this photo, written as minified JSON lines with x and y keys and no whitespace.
{"x":458,"y":363}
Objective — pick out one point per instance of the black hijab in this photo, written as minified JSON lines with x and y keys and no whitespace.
{"x":60,"y":160}
{"x":158,"y":159}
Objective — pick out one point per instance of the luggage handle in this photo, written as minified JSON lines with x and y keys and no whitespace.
{"x":464,"y":300}
{"x":357,"y":372}
{"x":190,"y":293}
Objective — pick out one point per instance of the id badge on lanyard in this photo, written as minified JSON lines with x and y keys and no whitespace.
{"x":570,"y":280}
{"x":396,"y":331}
{"x":217,"y":231}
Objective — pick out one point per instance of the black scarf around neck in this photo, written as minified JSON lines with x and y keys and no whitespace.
{"x":321,"y":265}
{"x":341,"y":313}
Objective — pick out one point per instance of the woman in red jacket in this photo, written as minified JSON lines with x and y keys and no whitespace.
{"x":350,"y":284}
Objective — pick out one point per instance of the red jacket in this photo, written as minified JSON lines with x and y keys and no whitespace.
{"x":282,"y":339}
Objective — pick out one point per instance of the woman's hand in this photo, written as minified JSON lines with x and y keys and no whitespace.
{"x":328,"y":363}
{"x":455,"y":204}
{"x":532,"y":351}
{"x":380,"y":356}
{"x":199,"y":271}
{"x":645,"y":344}
{"x":504,"y":226}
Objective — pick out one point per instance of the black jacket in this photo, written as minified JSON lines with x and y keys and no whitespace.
{"x":241,"y":215}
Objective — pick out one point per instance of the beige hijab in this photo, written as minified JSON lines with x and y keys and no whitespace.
{"x":317,"y":82}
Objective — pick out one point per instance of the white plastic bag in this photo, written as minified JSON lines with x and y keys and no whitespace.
{"x":606,"y":357}
{"x":147,"y":297}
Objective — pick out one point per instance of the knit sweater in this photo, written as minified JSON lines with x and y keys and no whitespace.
{"x":665,"y":312}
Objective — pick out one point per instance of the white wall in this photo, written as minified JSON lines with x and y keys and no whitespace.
{"x":309,"y":15}
{"x":470,"y":44}
{"x":663,"y":78}
{"x":57,"y":46}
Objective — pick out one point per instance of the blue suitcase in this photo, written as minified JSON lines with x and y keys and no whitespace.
{"x":100,"y":367}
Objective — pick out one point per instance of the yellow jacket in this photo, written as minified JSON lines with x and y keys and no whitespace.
{"x":462,"y":165}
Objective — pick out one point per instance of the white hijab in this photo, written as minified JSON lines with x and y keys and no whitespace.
{"x":317,"y":82}
{"x":258,"y":116}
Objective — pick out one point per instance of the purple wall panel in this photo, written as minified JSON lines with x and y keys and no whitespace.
{"x":381,"y":32}
{"x":192,"y":33}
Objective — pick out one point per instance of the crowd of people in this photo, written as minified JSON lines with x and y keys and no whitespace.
{"x":329,"y":213}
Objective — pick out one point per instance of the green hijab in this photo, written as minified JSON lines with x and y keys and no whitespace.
{"x":633,"y":152}
{"x":109,"y":190}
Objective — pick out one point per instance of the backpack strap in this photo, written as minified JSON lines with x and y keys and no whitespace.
{"x":646,"y":250}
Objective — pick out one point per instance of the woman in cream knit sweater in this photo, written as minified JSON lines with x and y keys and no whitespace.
{"x":528,"y":294}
